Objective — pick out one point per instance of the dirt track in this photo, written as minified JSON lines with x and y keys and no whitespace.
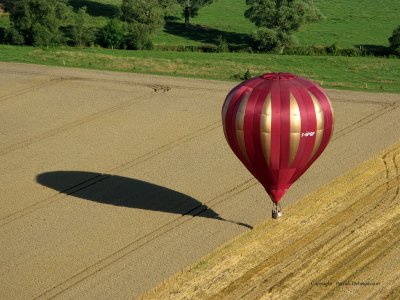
{"x":111,"y":182}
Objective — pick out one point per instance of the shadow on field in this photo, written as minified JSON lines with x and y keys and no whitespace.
{"x":205,"y":34}
{"x":377,"y":50}
{"x":94,"y":8}
{"x":126,"y":192}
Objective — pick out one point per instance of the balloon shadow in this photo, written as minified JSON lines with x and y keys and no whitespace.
{"x":126,"y":192}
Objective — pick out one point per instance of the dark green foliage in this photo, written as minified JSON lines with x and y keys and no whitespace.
{"x":190,"y":8}
{"x":37,"y":22}
{"x":332,"y":49}
{"x":265,"y":39}
{"x":95,"y":8}
{"x":145,"y":12}
{"x":113,"y":34}
{"x":247,"y":75}
{"x":222,"y":44}
{"x":142,"y":18}
{"x":13,"y":37}
{"x":204,"y":48}
{"x":169,"y":7}
{"x":138,"y":37}
{"x":278,"y":20}
{"x":394,"y":41}
{"x":82,"y":34}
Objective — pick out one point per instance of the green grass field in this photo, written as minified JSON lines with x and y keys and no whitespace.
{"x":354,"y":73}
{"x":348,"y":23}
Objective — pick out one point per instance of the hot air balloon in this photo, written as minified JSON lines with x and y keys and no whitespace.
{"x":277,"y":124}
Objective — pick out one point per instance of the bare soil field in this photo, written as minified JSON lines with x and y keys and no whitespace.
{"x":112,"y":182}
{"x":340,"y":242}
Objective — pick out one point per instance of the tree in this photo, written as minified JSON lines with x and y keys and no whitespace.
{"x":278,"y":20}
{"x":141,"y":18}
{"x":190,"y":8}
{"x":82,"y":34}
{"x":137,"y":37}
{"x":113,"y":34}
{"x":394,"y":41}
{"x":145,"y":12}
{"x":37,"y":22}
{"x":169,"y":7}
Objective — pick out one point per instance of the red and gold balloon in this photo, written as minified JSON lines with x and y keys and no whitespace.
{"x":277,"y":124}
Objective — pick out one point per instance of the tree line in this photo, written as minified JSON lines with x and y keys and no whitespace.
{"x":54,"y":22}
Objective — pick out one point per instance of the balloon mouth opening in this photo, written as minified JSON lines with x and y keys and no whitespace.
{"x":278,"y":76}
{"x":276,"y":195}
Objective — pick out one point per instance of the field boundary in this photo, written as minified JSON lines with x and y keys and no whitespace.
{"x":332,"y":243}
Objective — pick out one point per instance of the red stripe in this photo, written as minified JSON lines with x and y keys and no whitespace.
{"x":275,"y":130}
{"x":304,"y":155}
{"x":312,"y":126}
{"x":259,"y":159}
{"x":278,"y":176}
{"x":285,"y":124}
{"x":304,"y":127}
{"x":230,"y":122}
{"x":328,"y":119}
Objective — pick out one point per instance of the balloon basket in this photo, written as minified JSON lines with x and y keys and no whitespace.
{"x":276,"y":211}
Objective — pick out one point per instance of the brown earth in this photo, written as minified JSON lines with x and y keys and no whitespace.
{"x":112,"y":182}
{"x":340,"y":242}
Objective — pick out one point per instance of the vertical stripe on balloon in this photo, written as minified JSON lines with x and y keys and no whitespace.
{"x":275,"y":128}
{"x":295,"y":128}
{"x":285,"y":125}
{"x":259,"y":158}
{"x":230,"y":121}
{"x":320,"y":124}
{"x":225,"y":110}
{"x":240,"y":125}
{"x":265,"y":123}
{"x":277,"y":124}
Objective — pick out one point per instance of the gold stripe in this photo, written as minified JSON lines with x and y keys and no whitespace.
{"x":320,"y":124}
{"x":295,"y":128}
{"x":265,"y":123}
{"x":240,"y":125}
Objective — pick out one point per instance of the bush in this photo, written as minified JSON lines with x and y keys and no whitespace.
{"x":247,"y":75}
{"x":138,"y":37}
{"x":266,"y":39}
{"x":113,"y":34}
{"x":222,"y":44}
{"x":14,"y":37}
{"x":81,"y":34}
{"x":206,"y":48}
{"x":394,"y":41}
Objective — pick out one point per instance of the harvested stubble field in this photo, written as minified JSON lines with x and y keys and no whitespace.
{"x":112,"y":182}
{"x":340,"y":242}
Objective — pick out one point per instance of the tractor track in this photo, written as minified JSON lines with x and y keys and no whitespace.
{"x":142,"y":241}
{"x":354,"y":235}
{"x":83,"y":274}
{"x":5,"y":220}
{"x":122,"y":167}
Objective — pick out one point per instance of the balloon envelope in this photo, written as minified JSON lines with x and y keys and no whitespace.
{"x":277,"y":124}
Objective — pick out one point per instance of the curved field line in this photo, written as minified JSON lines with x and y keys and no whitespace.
{"x":66,"y":127}
{"x":334,"y":235}
{"x":366,"y":120}
{"x":27,"y":90}
{"x":142,"y":241}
